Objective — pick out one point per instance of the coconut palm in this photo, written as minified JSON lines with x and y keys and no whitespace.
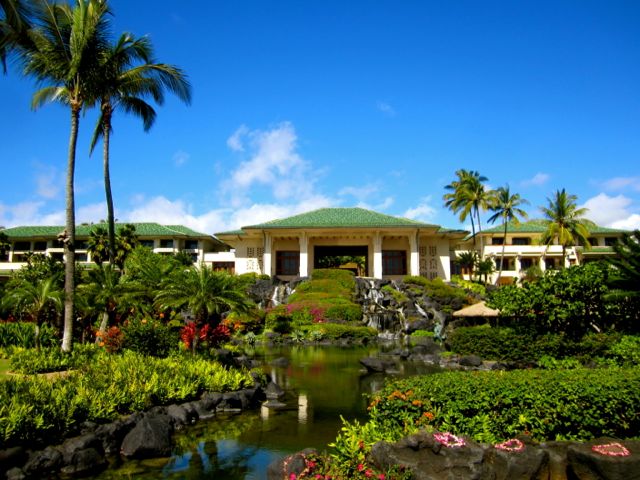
{"x":66,"y":46}
{"x":467,"y":262}
{"x":506,"y":207}
{"x":206,"y":293}
{"x":98,"y":245}
{"x":126,"y":241}
{"x":103,"y":292}
{"x":128,"y":75}
{"x":467,"y":197}
{"x":565,"y":222}
{"x":15,"y":22}
{"x":35,"y":300}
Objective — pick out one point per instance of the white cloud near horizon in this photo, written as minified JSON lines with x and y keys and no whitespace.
{"x":537,"y":180}
{"x":612,"y":212}
{"x":235,"y":141}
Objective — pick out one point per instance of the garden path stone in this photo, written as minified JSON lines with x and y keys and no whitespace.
{"x":150,"y":438}
{"x":585,"y":464}
{"x":112,"y":434}
{"x":470,"y":361}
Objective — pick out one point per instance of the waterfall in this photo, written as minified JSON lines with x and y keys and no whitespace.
{"x":280,"y":294}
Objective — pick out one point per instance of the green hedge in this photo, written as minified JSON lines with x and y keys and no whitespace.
{"x":504,"y":343}
{"x":335,"y":331}
{"x":32,"y":408}
{"x":493,"y":406}
{"x":51,"y":359}
{"x":22,"y":334}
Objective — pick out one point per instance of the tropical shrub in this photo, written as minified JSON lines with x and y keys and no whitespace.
{"x":475,"y":287}
{"x":52,"y":359}
{"x":335,"y":331}
{"x":203,"y":337}
{"x":345,"y":278}
{"x":449,"y":297}
{"x":578,"y":404}
{"x":35,"y":408}
{"x":112,"y":339}
{"x":150,"y":337}
{"x":626,"y":351}
{"x":22,"y":334}
{"x":572,"y":301}
{"x":244,"y":322}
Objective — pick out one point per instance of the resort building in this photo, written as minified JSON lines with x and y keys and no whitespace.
{"x":385,"y":246}
{"x":163,"y":239}
{"x":523,"y":249}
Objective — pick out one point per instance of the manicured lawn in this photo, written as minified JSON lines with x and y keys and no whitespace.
{"x":5,"y":366}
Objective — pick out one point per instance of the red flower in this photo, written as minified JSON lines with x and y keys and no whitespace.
{"x":360,"y":467}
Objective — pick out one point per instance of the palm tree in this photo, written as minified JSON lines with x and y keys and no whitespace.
{"x":467,"y":262}
{"x":507,"y":208}
{"x":625,"y":278}
{"x":66,"y":46}
{"x":15,"y":23}
{"x":36,"y":300}
{"x":467,"y":196}
{"x":126,"y":241}
{"x":98,"y":245}
{"x":103,"y":291}
{"x":564,"y":222}
{"x":206,"y":293}
{"x":128,"y":74}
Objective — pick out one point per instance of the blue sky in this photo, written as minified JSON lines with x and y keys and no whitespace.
{"x":301,"y":105}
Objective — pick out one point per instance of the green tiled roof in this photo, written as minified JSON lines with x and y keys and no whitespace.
{"x":232,"y":232}
{"x":341,"y":218}
{"x":142,"y":230}
{"x":539,"y":226}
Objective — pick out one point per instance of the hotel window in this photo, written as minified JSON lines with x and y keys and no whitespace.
{"x":526,"y":263}
{"x":287,"y":263}
{"x":191,"y":244}
{"x":507,"y":264}
{"x":39,"y":246}
{"x":394,"y":262}
{"x":166,"y":243}
{"x":610,"y":241}
{"x":81,"y":245}
{"x":549,"y":263}
{"x":521,"y":241}
{"x":146,"y":243}
{"x":593,"y":241}
{"x":497,"y":240}
{"x":22,"y":246}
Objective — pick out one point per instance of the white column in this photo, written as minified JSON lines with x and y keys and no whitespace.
{"x":414,"y":261}
{"x":304,"y":256}
{"x":518,"y":265}
{"x":377,"y":255}
{"x":542,"y":264}
{"x":266,"y":259}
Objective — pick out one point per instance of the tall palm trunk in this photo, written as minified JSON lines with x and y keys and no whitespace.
{"x":70,"y":233}
{"x":504,"y":243}
{"x":106,"y":126}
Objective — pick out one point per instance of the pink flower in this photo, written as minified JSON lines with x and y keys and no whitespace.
{"x":293,"y":476}
{"x":614,"y":449}
{"x":368,"y":473}
{"x":513,"y":445}
{"x":382,"y":476}
{"x":449,"y":440}
{"x":360,"y":467}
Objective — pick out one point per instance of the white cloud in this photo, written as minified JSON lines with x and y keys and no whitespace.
{"x":234,"y":142}
{"x":180,"y":158}
{"x":49,"y":181}
{"x":537,"y":180}
{"x":610,"y":211}
{"x":620,"y":183}
{"x":29,"y":213}
{"x":274,"y":163}
{"x":632,"y":222}
{"x":386,"y":108}
{"x":92,"y":213}
{"x":423,"y":211}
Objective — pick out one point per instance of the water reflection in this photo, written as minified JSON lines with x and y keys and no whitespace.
{"x":321,"y":383}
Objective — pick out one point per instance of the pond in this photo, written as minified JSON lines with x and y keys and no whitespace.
{"x":322,"y":383}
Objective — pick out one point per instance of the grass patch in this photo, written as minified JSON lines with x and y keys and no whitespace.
{"x":5,"y":367}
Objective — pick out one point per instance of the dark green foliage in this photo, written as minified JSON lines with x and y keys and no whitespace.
{"x":348,"y":312}
{"x":38,"y":267}
{"x":517,"y":345}
{"x":493,"y":406}
{"x":150,"y":337}
{"x":22,"y":334}
{"x":343,"y":277}
{"x":449,"y":297}
{"x":625,"y":278}
{"x":570,"y":301}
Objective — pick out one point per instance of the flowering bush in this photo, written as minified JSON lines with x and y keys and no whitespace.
{"x":449,"y":440}
{"x":513,"y":445}
{"x":112,"y":340}
{"x":614,"y":449}
{"x":207,"y":335}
